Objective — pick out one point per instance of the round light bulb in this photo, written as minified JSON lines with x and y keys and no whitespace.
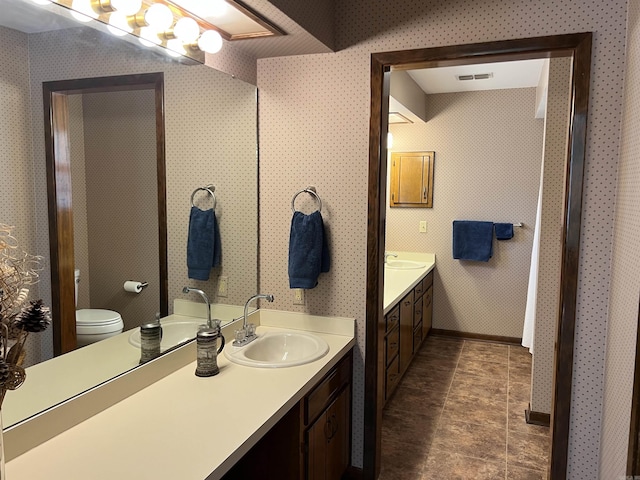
{"x":159,"y":17}
{"x":175,"y":47}
{"x":187,"y":30}
{"x":127,"y":7}
{"x":149,"y":37}
{"x":210,"y":41}
{"x":82,"y":11}
{"x":118,"y":24}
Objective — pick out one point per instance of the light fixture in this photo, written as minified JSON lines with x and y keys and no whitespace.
{"x":187,"y":30}
{"x":119,"y":24}
{"x":175,"y":47}
{"x":210,"y":41}
{"x":126,"y":7}
{"x":158,"y":16}
{"x":149,"y":37}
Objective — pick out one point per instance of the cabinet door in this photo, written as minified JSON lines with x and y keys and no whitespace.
{"x":427,"y":311}
{"x":328,"y":441}
{"x":406,"y":331}
{"x":412,"y":179}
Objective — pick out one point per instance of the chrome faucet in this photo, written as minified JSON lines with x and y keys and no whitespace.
{"x":206,"y":300}
{"x":247,"y":333}
{"x":386,"y":255}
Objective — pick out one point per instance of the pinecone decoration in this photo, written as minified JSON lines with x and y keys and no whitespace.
{"x":33,"y":318}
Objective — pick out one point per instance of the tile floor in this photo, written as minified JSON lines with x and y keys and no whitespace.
{"x":458,"y":413}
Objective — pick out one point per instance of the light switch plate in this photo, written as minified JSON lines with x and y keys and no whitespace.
{"x":423,"y":226}
{"x":298,"y":296}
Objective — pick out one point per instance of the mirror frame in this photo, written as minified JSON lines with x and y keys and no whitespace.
{"x":56,"y":115}
{"x":577,"y":46}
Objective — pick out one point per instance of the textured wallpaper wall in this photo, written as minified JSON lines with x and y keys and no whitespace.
{"x":314,"y":124}
{"x":625,"y":282}
{"x":210,"y":122}
{"x":488,"y":148}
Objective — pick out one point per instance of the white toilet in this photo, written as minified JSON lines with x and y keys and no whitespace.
{"x":95,"y":324}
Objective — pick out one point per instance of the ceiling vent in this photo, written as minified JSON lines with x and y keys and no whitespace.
{"x":395,"y":118}
{"x":477,"y":76}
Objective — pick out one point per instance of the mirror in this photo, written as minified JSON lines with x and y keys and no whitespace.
{"x":210,"y":138}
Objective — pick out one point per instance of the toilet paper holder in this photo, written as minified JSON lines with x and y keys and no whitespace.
{"x":134,"y":287}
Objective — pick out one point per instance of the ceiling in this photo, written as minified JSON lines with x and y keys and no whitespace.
{"x":504,"y":75}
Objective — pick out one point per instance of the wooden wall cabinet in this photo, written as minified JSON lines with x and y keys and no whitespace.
{"x":412,"y":179}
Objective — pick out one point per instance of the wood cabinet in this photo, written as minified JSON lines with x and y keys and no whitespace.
{"x":407,"y":325}
{"x":412,"y":179}
{"x":313,"y":440}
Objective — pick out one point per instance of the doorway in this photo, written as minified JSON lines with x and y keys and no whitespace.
{"x":58,"y":133}
{"x":577,"y":46}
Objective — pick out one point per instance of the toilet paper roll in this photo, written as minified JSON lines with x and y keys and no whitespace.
{"x":133,"y":287}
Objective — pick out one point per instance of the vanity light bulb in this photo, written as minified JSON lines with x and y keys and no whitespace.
{"x":187,"y":30}
{"x":118,"y":24}
{"x":149,"y":37}
{"x":159,"y":17}
{"x":82,"y":11}
{"x":210,"y":41}
{"x":175,"y":47}
{"x":127,"y":7}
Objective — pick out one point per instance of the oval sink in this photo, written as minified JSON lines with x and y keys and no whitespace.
{"x":403,"y":264}
{"x":278,"y":350}
{"x":173,"y":333}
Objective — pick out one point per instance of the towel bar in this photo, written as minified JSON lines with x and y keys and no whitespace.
{"x":311,"y":191}
{"x":209,"y":189}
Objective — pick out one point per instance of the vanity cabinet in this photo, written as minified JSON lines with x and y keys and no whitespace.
{"x":407,"y":325}
{"x":313,"y":440}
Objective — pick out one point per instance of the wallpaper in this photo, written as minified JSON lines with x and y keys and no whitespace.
{"x":488,"y":148}
{"x":314,"y":124}
{"x":625,"y":283}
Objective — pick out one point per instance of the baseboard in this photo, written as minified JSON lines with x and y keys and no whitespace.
{"x":353,"y":473}
{"x":537,"y":418}
{"x":476,"y":336}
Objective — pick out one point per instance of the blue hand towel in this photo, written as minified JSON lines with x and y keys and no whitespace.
{"x":308,"y":250}
{"x":203,"y":244}
{"x":472,"y":240}
{"x":504,"y":231}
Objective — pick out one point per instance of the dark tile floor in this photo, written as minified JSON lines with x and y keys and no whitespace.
{"x":458,"y":413}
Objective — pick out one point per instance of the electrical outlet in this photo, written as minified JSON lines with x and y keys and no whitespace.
{"x":423,"y":226}
{"x":298,"y":296}
{"x":223,"y":283}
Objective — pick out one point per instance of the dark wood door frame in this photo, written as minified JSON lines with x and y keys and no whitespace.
{"x":58,"y":162}
{"x":633,"y":455}
{"x":578,"y":46}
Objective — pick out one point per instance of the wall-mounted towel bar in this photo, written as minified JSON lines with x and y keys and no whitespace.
{"x":311,"y":190}
{"x":209,"y":189}
{"x":519,"y":224}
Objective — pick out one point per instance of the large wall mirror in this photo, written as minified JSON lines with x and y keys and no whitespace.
{"x":209,"y":138}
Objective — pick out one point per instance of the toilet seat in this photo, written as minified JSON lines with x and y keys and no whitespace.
{"x":95,"y":321}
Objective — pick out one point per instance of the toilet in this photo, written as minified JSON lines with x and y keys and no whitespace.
{"x":95,"y":324}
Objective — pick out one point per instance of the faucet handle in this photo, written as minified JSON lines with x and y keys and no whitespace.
{"x":251,"y":329}
{"x":240,"y":335}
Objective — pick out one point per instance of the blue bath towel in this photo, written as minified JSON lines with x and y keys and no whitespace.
{"x":504,"y":231}
{"x":203,"y":243}
{"x":472,"y":240}
{"x":308,"y":250}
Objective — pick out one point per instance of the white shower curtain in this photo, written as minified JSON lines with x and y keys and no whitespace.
{"x":532,"y":293}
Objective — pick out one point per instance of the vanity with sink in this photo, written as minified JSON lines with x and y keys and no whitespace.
{"x":289,"y":411}
{"x":408,"y":311}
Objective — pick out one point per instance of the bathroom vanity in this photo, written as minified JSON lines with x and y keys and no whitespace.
{"x":408,"y":309}
{"x":187,"y":427}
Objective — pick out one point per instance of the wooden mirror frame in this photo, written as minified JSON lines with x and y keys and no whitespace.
{"x":58,"y":161}
{"x":577,"y":46}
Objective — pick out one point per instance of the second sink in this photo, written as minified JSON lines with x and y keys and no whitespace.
{"x":404,"y":264}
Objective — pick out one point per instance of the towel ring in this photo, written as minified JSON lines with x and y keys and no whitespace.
{"x":209,"y":189}
{"x":311,"y":191}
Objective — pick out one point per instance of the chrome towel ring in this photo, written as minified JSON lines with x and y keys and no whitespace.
{"x":209,"y":189}
{"x":311,"y":191}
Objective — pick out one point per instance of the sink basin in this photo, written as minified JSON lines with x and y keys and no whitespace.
{"x":278,"y":350}
{"x":173,"y":333}
{"x":403,"y":264}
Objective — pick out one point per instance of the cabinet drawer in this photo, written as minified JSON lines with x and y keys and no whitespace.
{"x":418,"y":290}
{"x":392,"y":342}
{"x":393,"y":377}
{"x":326,"y":390}
{"x":427,"y":281}
{"x":417,"y":338}
{"x":392,"y":318}
{"x":417,"y":312}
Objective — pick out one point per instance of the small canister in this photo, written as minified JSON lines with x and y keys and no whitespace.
{"x":207,"y":348}
{"x":150,"y":337}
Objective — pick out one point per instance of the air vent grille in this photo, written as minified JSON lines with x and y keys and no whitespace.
{"x":476,"y":76}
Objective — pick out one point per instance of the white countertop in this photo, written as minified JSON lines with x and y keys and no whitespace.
{"x":397,"y":283}
{"x":185,"y":427}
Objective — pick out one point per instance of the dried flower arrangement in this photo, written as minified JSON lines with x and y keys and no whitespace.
{"x":18,"y":270}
